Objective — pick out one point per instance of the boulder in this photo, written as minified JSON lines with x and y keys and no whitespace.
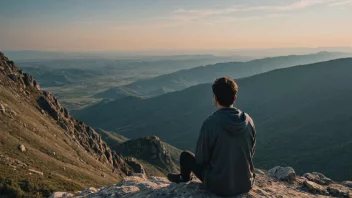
{"x":314,"y":188}
{"x":283,"y":173}
{"x":48,"y":106}
{"x":347,"y":183}
{"x":338,"y":191}
{"x":22,"y":148}
{"x":135,"y":165}
{"x":318,"y":178}
{"x":61,"y":195}
{"x":87,"y":191}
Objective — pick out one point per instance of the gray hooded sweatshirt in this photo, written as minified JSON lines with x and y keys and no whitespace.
{"x":225,"y":151}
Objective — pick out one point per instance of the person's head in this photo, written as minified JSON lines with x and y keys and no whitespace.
{"x":225,"y":90}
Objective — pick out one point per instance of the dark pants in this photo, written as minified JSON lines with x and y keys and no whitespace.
{"x":188,"y":164}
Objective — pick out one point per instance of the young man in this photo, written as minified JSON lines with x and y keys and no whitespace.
{"x":225,"y":148}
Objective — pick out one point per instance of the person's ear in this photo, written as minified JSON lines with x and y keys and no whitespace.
{"x":215,"y":99}
{"x":234,"y":98}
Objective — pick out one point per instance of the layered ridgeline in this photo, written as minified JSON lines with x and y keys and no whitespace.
{"x":43,"y":149}
{"x":205,"y":74}
{"x":83,"y":80}
{"x":70,"y":70}
{"x":302,"y":114}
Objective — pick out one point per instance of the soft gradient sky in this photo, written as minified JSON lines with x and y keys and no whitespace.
{"x":86,"y":25}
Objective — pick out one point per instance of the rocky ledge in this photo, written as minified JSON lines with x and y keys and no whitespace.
{"x":277,"y":182}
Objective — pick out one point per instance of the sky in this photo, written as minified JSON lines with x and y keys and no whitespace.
{"x":87,"y":25}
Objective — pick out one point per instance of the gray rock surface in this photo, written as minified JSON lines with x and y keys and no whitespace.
{"x":87,"y":191}
{"x":339,"y":191}
{"x":135,"y":165}
{"x":283,"y":173}
{"x":315,"y":188}
{"x":318,"y":178}
{"x":61,"y":195}
{"x":159,"y":187}
{"x":347,"y":183}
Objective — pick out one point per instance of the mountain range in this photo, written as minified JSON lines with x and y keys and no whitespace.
{"x":44,"y":149}
{"x":205,"y":74}
{"x":302,"y":114}
{"x":81,"y":81}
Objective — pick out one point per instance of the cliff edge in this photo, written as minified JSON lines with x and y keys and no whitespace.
{"x":277,"y":182}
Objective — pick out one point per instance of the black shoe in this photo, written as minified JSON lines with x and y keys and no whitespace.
{"x":176,"y":178}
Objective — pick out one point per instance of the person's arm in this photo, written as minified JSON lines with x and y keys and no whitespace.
{"x":203,"y":148}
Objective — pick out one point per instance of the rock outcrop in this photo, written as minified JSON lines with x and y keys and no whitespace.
{"x":347,"y":183}
{"x":136,"y":166}
{"x":27,"y":88}
{"x":318,"y":178}
{"x":266,"y":186}
{"x":283,"y":173}
{"x":151,"y":150}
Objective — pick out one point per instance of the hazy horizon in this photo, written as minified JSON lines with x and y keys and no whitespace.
{"x":174,"y":25}
{"x":116,"y":54}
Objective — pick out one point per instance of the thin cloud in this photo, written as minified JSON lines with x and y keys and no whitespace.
{"x":188,"y":15}
{"x":229,"y":19}
{"x":341,"y":3}
{"x":227,"y":15}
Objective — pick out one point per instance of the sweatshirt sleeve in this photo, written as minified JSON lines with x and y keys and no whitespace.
{"x":203,"y":148}
{"x":254,"y":136}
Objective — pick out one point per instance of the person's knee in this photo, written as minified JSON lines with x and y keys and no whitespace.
{"x":186,"y":155}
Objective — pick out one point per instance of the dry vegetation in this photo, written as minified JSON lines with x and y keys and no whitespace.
{"x":65,"y":164}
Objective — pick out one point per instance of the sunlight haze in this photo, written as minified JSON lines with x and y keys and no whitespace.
{"x":158,"y":25}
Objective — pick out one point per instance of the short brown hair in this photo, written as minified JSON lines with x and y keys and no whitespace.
{"x":225,"y":89}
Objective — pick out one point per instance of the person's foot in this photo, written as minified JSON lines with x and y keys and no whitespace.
{"x":176,"y":178}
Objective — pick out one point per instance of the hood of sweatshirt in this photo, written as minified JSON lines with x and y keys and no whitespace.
{"x":233,"y":120}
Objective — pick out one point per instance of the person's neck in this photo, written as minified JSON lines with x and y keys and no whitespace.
{"x":223,"y":107}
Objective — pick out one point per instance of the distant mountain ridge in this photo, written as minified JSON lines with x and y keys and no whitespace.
{"x":302,"y":115}
{"x":79,"y":82}
{"x":204,"y":74}
{"x":34,"y":55}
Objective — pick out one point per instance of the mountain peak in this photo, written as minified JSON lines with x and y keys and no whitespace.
{"x":152,"y":150}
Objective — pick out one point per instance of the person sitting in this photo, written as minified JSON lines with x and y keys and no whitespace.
{"x":223,"y":159}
